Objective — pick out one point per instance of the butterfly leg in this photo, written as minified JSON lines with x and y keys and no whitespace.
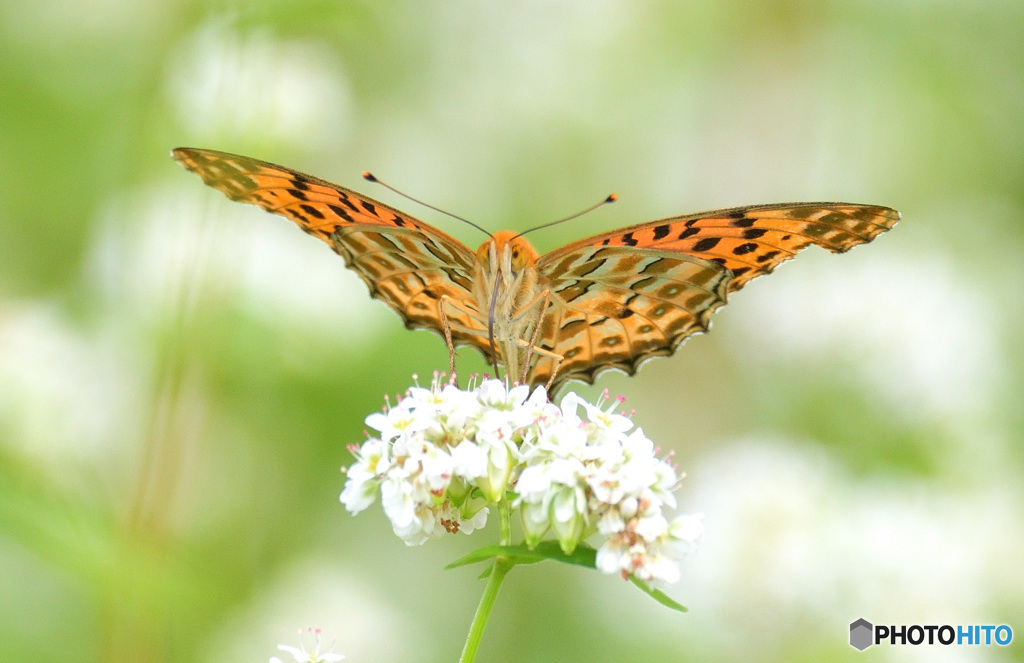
{"x":447,"y":336}
{"x":539,"y":306}
{"x":447,"y":325}
{"x":544,"y":298}
{"x":557,"y":358}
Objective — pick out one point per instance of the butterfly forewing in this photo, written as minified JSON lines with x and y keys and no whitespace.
{"x":618,"y":306}
{"x":315,"y":205}
{"x":406,"y":263}
{"x":751,"y":241}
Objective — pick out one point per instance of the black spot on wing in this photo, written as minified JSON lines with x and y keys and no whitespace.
{"x":707,"y":244}
{"x":312,"y":211}
{"x":343,"y":213}
{"x":343,"y":197}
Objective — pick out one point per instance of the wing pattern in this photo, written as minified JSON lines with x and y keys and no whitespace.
{"x":751,"y":241}
{"x":617,"y":299}
{"x":618,"y":306}
{"x":404,"y":262}
{"x":635,"y":293}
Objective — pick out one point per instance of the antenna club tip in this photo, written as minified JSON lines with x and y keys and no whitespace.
{"x":612,"y":197}
{"x":368,"y":176}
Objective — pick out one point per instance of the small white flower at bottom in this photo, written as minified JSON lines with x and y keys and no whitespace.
{"x":314,"y":656}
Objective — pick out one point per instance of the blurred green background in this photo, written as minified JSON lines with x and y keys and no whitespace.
{"x":180,"y":375}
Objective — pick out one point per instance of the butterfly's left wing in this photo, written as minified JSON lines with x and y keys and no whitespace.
{"x":625,"y":296}
{"x":618,"y":306}
{"x":404,"y":262}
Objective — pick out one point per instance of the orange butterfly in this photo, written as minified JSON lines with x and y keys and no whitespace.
{"x":609,"y":301}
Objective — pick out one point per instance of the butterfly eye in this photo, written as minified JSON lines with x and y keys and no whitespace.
{"x":519,"y":258}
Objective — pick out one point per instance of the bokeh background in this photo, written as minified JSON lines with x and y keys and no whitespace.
{"x":180,"y":375}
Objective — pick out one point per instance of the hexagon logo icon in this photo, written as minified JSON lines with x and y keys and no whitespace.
{"x":862,"y":634}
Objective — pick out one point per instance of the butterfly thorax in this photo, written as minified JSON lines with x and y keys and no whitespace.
{"x":506,"y":285}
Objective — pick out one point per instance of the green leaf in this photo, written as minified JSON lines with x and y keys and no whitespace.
{"x":523,"y":554}
{"x":658,"y":595}
{"x":584,"y":555}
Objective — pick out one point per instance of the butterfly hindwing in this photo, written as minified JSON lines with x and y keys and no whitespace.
{"x":617,"y":306}
{"x":410,"y":271}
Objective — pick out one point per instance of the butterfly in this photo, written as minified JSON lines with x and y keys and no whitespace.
{"x":611,"y":301}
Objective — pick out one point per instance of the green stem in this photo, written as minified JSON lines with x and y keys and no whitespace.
{"x":476,"y":630}
{"x":505,"y":521}
{"x":502,"y":565}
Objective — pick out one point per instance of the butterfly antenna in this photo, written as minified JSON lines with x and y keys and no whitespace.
{"x":370,"y":177}
{"x":612,"y":197}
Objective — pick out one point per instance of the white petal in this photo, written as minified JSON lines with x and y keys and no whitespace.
{"x":652,"y":527}
{"x":378,"y":421}
{"x":469,"y":460}
{"x":609,"y":558}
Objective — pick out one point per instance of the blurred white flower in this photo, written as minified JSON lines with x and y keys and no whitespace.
{"x":313,"y":656}
{"x":444,"y":455}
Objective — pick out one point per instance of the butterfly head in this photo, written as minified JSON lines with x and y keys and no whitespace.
{"x":506,"y":253}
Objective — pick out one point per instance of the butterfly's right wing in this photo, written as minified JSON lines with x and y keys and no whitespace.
{"x":404,"y":262}
{"x":631,"y":294}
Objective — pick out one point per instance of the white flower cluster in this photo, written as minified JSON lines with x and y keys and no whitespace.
{"x":444,"y":454}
